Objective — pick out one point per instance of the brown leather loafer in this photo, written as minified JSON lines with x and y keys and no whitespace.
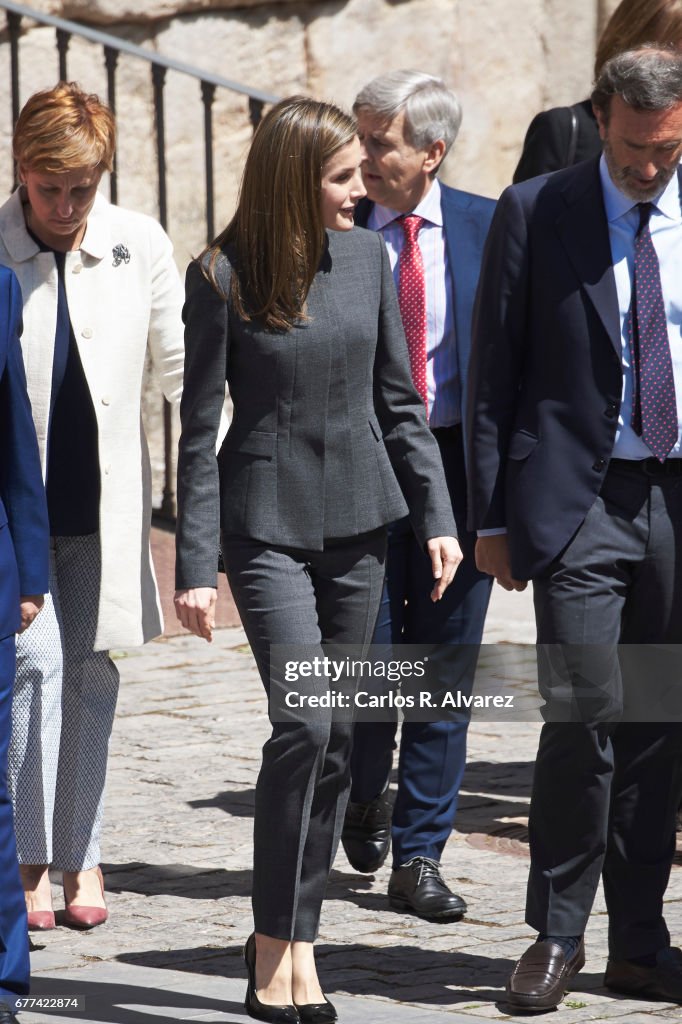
{"x":538,"y":982}
{"x":660,"y":982}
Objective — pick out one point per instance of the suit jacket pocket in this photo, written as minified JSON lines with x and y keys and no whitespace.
{"x":521,"y":444}
{"x":256,"y":442}
{"x":9,"y":583}
{"x":376,"y":429}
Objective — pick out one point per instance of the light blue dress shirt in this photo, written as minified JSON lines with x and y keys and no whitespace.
{"x":442,"y":364}
{"x":666,"y":234}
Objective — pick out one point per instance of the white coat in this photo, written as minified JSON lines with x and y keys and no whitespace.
{"x":121,"y":302}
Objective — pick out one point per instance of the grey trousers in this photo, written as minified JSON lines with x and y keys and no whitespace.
{"x":605,"y":794}
{"x":291,"y":596}
{"x":64,"y":702}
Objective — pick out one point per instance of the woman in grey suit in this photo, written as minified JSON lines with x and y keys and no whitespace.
{"x":328,"y":444}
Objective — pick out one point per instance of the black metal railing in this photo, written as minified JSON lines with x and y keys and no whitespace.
{"x":112,"y":48}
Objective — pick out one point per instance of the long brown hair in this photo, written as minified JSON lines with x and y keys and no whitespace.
{"x":635,"y":22}
{"x":277,"y":232}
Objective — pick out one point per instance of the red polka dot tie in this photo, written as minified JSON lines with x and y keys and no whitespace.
{"x":412,"y":301}
{"x":654,"y":408}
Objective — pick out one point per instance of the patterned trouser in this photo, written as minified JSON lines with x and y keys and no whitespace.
{"x":64,"y":702}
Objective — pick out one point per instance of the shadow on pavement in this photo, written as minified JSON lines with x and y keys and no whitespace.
{"x":120,"y":1003}
{"x":238,"y":803}
{"x":485,"y":806}
{"x":176,"y":880}
{"x":402,"y":973}
{"x":484,"y":800}
{"x":506,"y":778}
{"x":205,"y":883}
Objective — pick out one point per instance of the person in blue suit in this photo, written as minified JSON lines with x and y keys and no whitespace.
{"x":24,"y":552}
{"x":408,"y":121}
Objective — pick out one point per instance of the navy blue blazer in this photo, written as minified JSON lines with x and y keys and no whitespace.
{"x":24,"y":531}
{"x":466,"y":221}
{"x":545,"y":377}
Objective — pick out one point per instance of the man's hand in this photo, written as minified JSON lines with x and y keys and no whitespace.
{"x":445,"y":554}
{"x":492,"y":556}
{"x":29,"y":605}
{"x":195,"y":608}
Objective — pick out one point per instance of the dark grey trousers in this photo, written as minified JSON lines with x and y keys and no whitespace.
{"x":605,"y":794}
{"x":292,"y":596}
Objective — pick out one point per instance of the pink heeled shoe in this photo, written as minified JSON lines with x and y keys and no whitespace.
{"x":32,"y":877}
{"x":86,"y":917}
{"x":41,"y":920}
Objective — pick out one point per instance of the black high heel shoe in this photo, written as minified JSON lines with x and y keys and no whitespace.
{"x":316,"y":1013}
{"x":286,"y":1014}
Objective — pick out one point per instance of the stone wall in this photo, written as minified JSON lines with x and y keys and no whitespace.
{"x":506,"y":58}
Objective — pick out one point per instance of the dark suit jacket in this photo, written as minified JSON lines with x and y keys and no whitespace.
{"x":24,"y":533}
{"x":545,"y":376}
{"x":548,"y":141}
{"x":329,"y":437}
{"x":466,"y":221}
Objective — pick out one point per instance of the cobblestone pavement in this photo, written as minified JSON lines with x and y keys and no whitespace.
{"x":177,"y":851}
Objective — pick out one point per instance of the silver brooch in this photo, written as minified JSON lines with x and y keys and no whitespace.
{"x":120,"y":254}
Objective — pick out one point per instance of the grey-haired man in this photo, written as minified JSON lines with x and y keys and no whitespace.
{"x":408,"y":120}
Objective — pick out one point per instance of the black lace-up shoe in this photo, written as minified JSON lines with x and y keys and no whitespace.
{"x":418,"y":888}
{"x":366,"y":835}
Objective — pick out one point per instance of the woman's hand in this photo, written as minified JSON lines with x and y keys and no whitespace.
{"x":195,"y":608}
{"x":30,"y":605}
{"x":445,"y":554}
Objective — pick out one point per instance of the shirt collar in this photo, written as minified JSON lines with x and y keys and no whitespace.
{"x":96,"y":241}
{"x":617,"y":204}
{"x":429,"y":208}
{"x":21,"y":245}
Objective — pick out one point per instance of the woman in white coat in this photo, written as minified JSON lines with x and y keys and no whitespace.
{"x":100,"y":289}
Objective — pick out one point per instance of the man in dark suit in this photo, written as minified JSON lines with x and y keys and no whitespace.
{"x":434,"y":234}
{"x":575,"y":413}
{"x":24,"y":552}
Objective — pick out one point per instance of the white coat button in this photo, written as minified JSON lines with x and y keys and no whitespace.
{"x":77,"y":268}
{"x":107,"y":467}
{"x":106,"y":400}
{"x":86,"y":332}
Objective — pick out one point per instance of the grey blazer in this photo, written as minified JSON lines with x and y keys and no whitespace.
{"x":329,"y":437}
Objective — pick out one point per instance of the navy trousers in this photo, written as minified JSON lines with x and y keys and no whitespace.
{"x":14,"y":962}
{"x":432,"y":754}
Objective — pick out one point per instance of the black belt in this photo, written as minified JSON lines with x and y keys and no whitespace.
{"x":454,"y":431}
{"x":648,"y":467}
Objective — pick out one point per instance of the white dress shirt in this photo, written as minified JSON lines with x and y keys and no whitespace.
{"x":666,"y":234}
{"x":442,"y":364}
